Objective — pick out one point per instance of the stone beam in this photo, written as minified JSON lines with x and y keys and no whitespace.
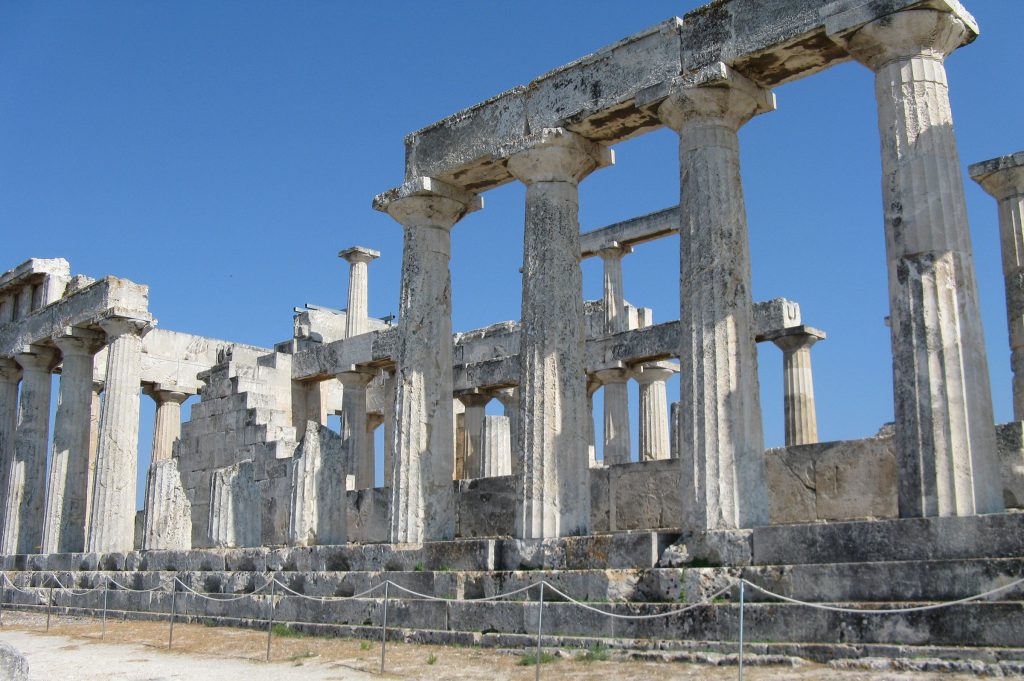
{"x":175,"y":358}
{"x":374,"y":349}
{"x":595,"y":96}
{"x":630,"y":232}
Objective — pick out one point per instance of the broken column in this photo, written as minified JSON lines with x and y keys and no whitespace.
{"x":945,"y":437}
{"x":554,"y":495}
{"x":356,"y":316}
{"x":422,"y":498}
{"x":1003,"y":178}
{"x":168,"y":514}
{"x":798,"y":382}
{"x":26,"y":482}
{"x":473,"y":433}
{"x":10,"y":375}
{"x":318,"y":503}
{"x":112,"y":520}
{"x":654,"y":416}
{"x":167,"y":427}
{"x":616,"y":414}
{"x":724,"y":477}
{"x":235,"y":506}
{"x":353,"y":426}
{"x":67,"y":495}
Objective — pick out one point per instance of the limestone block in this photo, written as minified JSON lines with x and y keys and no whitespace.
{"x":486,"y":506}
{"x":368,"y":514}
{"x":318,"y":513}
{"x":774,"y":315}
{"x":168,"y":515}
{"x":235,"y":517}
{"x":13,"y":665}
{"x":1010,"y":439}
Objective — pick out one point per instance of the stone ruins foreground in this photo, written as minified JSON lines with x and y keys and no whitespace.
{"x":471,"y":504}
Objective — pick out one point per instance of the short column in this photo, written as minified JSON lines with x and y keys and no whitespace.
{"x":497,"y":454}
{"x":26,"y":482}
{"x":723,"y":468}
{"x":167,"y":425}
{"x":356,"y":317}
{"x":422,"y":497}
{"x":509,"y":398}
{"x":554,"y":495}
{"x":68,"y":492}
{"x":1003,"y":178}
{"x":353,"y":426}
{"x":615,"y":318}
{"x":654,"y":416}
{"x":112,"y":520}
{"x":616,"y":415}
{"x":798,"y":382}
{"x":10,"y":375}
{"x":476,"y":404}
{"x":945,"y":436}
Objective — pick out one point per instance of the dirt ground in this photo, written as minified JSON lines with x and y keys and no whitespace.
{"x":137,"y":651}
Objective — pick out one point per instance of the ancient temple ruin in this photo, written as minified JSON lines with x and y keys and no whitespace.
{"x":255,"y":471}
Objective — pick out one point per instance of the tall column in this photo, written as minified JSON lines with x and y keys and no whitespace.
{"x":94,"y":436}
{"x":112,"y":520}
{"x":390,"y":393}
{"x":26,"y":481}
{"x":615,"y":318}
{"x":654,"y":416}
{"x":798,"y":382}
{"x":10,"y":375}
{"x":509,"y":398}
{"x":353,"y":426}
{"x":946,"y":446}
{"x":1003,"y":178}
{"x":554,"y":494}
{"x":473,"y":438}
{"x":617,"y":442}
{"x":422,"y":498}
{"x":167,"y":426}
{"x":67,"y":494}
{"x":724,"y":478}
{"x":356,"y":316}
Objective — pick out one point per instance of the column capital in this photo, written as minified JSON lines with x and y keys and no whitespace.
{"x":795,"y":337}
{"x":614,"y":251}
{"x":163,"y":394}
{"x":612,"y":374}
{"x":355,"y":376}
{"x":73,"y":341}
{"x":37,"y":358}
{"x":426,"y":202}
{"x":714,"y":94}
{"x":556,"y":155}
{"x":358,"y":254}
{"x":473,"y":397}
{"x":10,"y":372}
{"x":911,"y":33}
{"x":651,"y":372}
{"x":115,"y":327}
{"x":1001,"y":177}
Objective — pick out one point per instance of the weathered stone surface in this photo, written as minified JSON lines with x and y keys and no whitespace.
{"x":654,"y":411}
{"x":13,"y":665}
{"x":318,"y":504}
{"x":1010,"y":438}
{"x":168,"y":516}
{"x":497,"y":459}
{"x":10,"y":375}
{"x":358,"y":257}
{"x":235,"y":506}
{"x":801,"y":420}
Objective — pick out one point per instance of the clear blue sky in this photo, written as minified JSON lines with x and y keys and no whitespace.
{"x":224,"y":152}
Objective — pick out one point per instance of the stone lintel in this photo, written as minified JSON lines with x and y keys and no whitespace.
{"x":770,"y":315}
{"x":631,"y":232}
{"x":801,"y":330}
{"x":844,"y":17}
{"x":1001,"y":177}
{"x":359,"y":254}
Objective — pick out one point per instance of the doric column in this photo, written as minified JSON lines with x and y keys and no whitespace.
{"x":10,"y":375}
{"x":616,"y":414}
{"x":509,"y":398}
{"x":945,"y":436}
{"x":356,"y":316}
{"x":68,"y":491}
{"x":422,"y":498}
{"x":1003,"y":178}
{"x":353,"y":426}
{"x":167,"y":427}
{"x":554,"y":493}
{"x":26,"y":481}
{"x":112,"y":521}
{"x":473,"y":433}
{"x":724,"y":478}
{"x":798,"y":382}
{"x":592,"y":387}
{"x":373,"y":421}
{"x":654,"y":427}
{"x":390,"y":393}
{"x":497,"y":458}
{"x":615,"y":318}
{"x":94,"y":437}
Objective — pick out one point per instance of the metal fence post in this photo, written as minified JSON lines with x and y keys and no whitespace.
{"x":540,"y":626}
{"x":3,"y":596}
{"x":174,"y":592}
{"x":49,"y":606}
{"x":742,"y":599}
{"x":270,"y":622}
{"x":384,"y":628}
{"x":106,"y":589}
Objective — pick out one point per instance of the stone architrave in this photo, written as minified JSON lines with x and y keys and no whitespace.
{"x":10,"y":375}
{"x":1003,"y":178}
{"x":723,"y":469}
{"x":617,"y":441}
{"x":798,"y":382}
{"x":26,"y":481}
{"x":112,"y":520}
{"x":497,"y":454}
{"x":356,"y":317}
{"x":473,"y":434}
{"x":615,"y":318}
{"x":67,"y":493}
{"x":236,"y":519}
{"x":945,"y":437}
{"x":422,"y":498}
{"x":654,"y":416}
{"x":168,"y":521}
{"x":318,"y":503}
{"x":354,"y":426}
{"x":553,"y":497}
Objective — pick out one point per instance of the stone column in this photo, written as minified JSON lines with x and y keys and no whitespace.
{"x":617,"y":442}
{"x":373,"y":421}
{"x":798,"y":382}
{"x":1003,"y":178}
{"x":554,"y":496}
{"x":473,"y":433}
{"x":390,"y":393}
{"x":67,"y":494}
{"x":654,"y":427}
{"x":112,"y":521}
{"x":353,"y":426}
{"x":592,"y":387}
{"x":10,"y":375}
{"x":945,"y":437}
{"x":26,"y":481}
{"x":422,"y":497}
{"x":724,"y":477}
{"x":497,"y":459}
{"x":674,"y":420}
{"x":167,"y":428}
{"x":509,"y":398}
{"x":615,"y":319}
{"x":356,"y":317}
{"x":94,"y":436}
